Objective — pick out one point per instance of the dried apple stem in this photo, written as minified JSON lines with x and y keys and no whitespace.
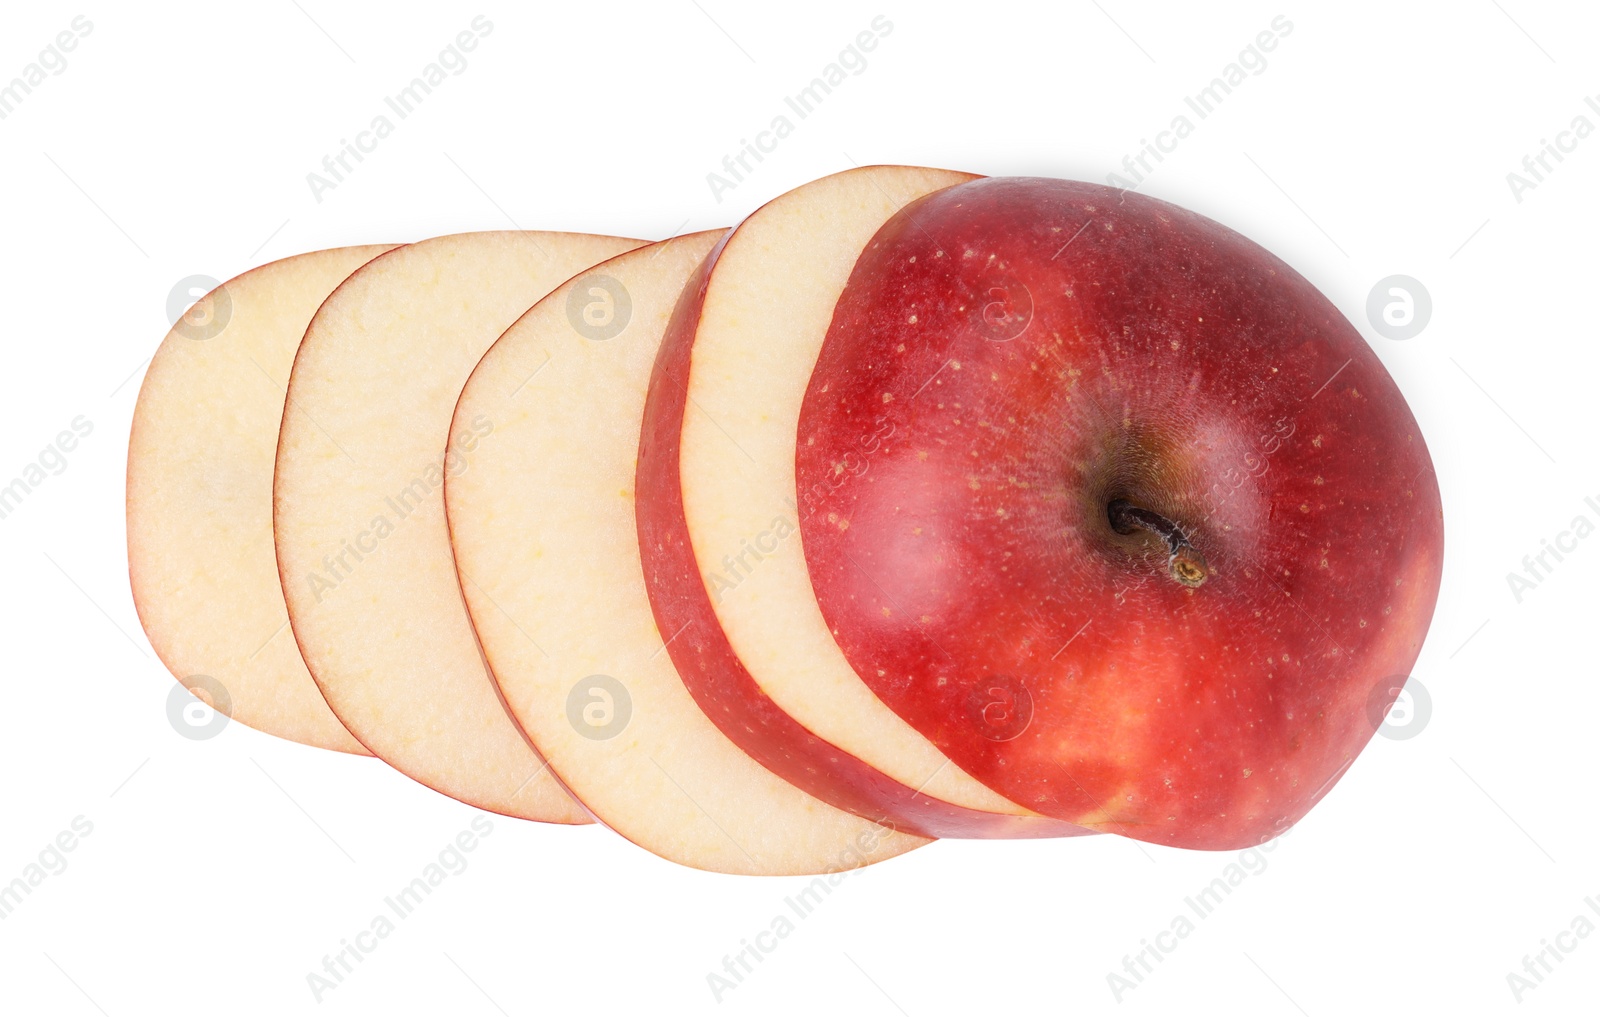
{"x":1186,"y":564}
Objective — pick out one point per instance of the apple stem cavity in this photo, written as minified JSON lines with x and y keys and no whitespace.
{"x":1184,"y":563}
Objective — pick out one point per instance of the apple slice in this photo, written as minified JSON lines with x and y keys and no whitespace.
{"x":363,"y":549}
{"x":718,"y":518}
{"x":542,"y":517}
{"x":200,"y":555}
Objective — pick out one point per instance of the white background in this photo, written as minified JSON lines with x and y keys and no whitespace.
{"x":1376,"y":141}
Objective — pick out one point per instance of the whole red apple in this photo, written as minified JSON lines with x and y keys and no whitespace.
{"x":1115,"y":508}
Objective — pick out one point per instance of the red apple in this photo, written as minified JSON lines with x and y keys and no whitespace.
{"x":1114,"y":507}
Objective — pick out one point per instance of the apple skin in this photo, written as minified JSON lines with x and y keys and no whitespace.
{"x":709,"y":665}
{"x":1010,"y":356}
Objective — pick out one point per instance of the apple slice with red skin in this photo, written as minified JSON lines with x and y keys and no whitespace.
{"x":200,"y":456}
{"x":542,"y":521}
{"x":1133,"y":481}
{"x":363,"y":547}
{"x":716,"y":519}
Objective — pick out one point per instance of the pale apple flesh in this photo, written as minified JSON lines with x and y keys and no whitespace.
{"x":542,"y":520}
{"x":717,"y":520}
{"x":1027,"y":359}
{"x":200,"y":460}
{"x":363,"y":547}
